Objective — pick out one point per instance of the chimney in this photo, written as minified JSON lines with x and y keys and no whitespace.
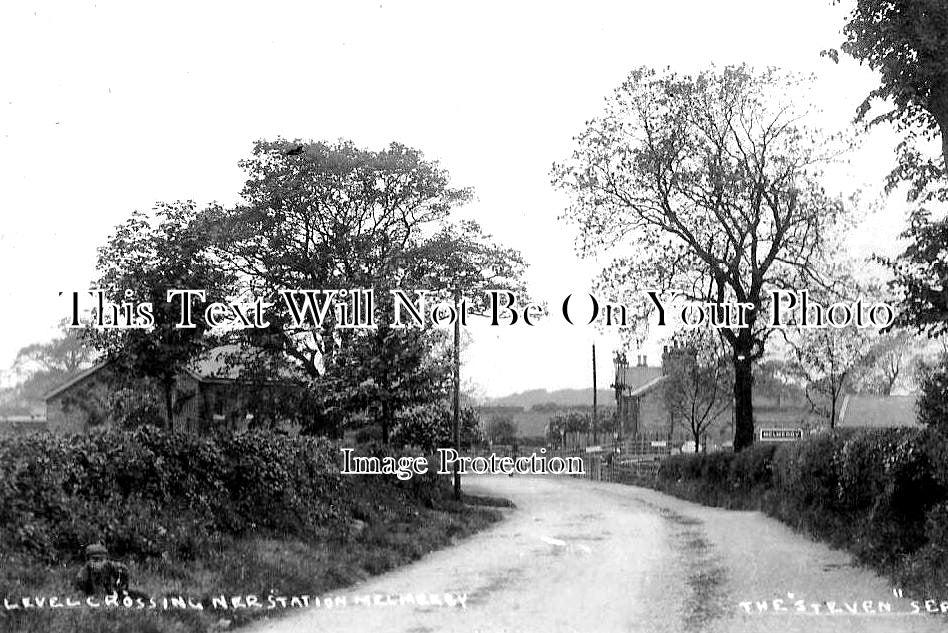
{"x":675,"y":355}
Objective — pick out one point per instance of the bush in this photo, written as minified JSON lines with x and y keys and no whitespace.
{"x":879,"y":493}
{"x":148,"y":492}
{"x":237,"y":513}
{"x":933,"y":403}
{"x":753,"y":467}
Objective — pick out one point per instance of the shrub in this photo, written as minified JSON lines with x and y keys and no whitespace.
{"x":879,"y":493}
{"x":148,"y":492}
{"x":933,"y":403}
{"x":753,"y":467}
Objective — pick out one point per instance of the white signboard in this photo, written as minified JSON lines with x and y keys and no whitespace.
{"x":781,"y":435}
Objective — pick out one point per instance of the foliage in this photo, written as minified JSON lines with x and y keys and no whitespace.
{"x":150,"y":493}
{"x":895,"y":357}
{"x":830,"y":361}
{"x":431,"y":427}
{"x":933,"y":401}
{"x":920,"y":273}
{"x":45,"y":366}
{"x":385,"y":372}
{"x":879,"y":493}
{"x":711,"y":184}
{"x":318,"y":215}
{"x":462,"y":257}
{"x":501,"y":430}
{"x":907,"y":42}
{"x":239,"y":514}
{"x":334,"y":216}
{"x":147,"y":491}
{"x":573,"y":423}
{"x":775,"y":376}
{"x":145,"y":258}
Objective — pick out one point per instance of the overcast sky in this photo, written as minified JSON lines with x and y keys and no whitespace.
{"x":108,"y":107}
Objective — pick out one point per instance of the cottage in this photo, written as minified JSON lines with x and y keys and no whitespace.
{"x":640,"y":398}
{"x":643,"y":408}
{"x":211,"y":392}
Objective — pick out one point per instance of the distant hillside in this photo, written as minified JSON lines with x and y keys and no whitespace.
{"x":562,"y":397}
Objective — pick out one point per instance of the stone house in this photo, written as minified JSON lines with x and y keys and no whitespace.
{"x":643,"y":412}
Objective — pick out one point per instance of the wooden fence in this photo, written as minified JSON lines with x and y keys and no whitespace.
{"x":635,"y":459}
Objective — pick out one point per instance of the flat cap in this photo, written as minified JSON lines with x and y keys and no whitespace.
{"x":96,"y":548}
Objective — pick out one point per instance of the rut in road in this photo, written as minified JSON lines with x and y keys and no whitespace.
{"x":577,"y":556}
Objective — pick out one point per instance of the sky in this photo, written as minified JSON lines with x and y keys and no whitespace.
{"x":109,"y":107}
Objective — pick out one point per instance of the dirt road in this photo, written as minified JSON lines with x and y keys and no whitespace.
{"x":583,"y":556}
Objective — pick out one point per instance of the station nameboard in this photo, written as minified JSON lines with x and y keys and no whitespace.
{"x":781,"y":435}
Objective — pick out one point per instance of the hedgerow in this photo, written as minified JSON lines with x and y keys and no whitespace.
{"x":150,"y":493}
{"x":882,"y":494}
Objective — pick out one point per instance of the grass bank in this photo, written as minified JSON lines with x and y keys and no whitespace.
{"x":241,"y":515}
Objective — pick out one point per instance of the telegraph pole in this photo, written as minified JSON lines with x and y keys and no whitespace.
{"x":457,"y":392}
{"x":595,"y":395}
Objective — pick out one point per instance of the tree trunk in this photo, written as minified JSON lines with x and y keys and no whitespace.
{"x":833,"y":412}
{"x":743,"y":400}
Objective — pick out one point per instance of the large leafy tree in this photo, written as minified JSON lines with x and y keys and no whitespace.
{"x":387,"y":371}
{"x":405,"y":367}
{"x":317,"y":215}
{"x":327,"y":216}
{"x":709,"y":186}
{"x":333,"y":216}
{"x":907,"y":42}
{"x":462,"y":258}
{"x":146,"y":256}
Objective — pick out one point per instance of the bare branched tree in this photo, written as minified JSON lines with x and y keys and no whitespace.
{"x":708,"y":186}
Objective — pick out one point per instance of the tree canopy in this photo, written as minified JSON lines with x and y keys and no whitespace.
{"x":325,"y":216}
{"x":708,"y":186}
{"x":907,"y":42}
{"x":146,"y":256}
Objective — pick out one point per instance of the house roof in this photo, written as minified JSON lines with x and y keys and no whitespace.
{"x":229,"y":363}
{"x":648,"y":386}
{"x":865,"y":411}
{"x":224,"y":364}
{"x":635,"y":376}
{"x":75,"y":379}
